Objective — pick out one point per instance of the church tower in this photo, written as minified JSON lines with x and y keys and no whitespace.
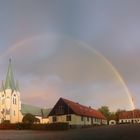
{"x":10,"y":104}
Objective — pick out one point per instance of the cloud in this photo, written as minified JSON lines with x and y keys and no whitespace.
{"x":110,"y":27}
{"x":42,"y":92}
{"x":66,"y":68}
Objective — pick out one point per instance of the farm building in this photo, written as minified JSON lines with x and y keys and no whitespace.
{"x":75,"y":114}
{"x":129,"y":116}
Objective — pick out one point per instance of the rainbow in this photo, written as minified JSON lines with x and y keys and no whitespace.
{"x":22,"y":42}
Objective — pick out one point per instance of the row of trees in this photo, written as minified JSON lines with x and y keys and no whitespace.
{"x":108,"y":114}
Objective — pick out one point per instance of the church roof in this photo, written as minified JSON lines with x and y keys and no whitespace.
{"x":36,"y":111}
{"x":83,"y":110}
{"x":10,"y":83}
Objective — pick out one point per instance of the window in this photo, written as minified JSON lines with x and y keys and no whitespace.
{"x":87,"y":118}
{"x":14,"y":113}
{"x":15,"y":101}
{"x":59,"y":110}
{"x":82,"y":118}
{"x":54,"y":119}
{"x":96,"y":120}
{"x":68,"y":118}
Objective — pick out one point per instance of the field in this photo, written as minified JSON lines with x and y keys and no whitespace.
{"x":118,"y":132}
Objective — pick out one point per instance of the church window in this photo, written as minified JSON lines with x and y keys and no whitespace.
{"x":14,"y":113}
{"x":15,"y":101}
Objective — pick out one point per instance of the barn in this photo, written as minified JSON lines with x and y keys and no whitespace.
{"x":132,"y":116}
{"x":75,"y":114}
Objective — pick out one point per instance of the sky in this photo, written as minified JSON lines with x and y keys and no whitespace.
{"x":76,"y":49}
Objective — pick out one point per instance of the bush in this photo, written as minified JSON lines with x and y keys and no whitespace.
{"x":57,"y":126}
{"x":30,"y":119}
{"x":38,"y":127}
{"x":23,"y":126}
{"x":7,"y":126}
{"x":29,"y":126}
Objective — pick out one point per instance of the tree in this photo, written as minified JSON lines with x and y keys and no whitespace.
{"x":118,"y":113}
{"x":110,"y":115}
{"x":30,"y":119}
{"x":105,"y":111}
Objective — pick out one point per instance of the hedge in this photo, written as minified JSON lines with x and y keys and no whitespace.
{"x":26,"y":126}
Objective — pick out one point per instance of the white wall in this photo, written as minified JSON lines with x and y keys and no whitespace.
{"x":131,"y":120}
{"x":76,"y":120}
{"x":10,"y":110}
{"x":45,"y":120}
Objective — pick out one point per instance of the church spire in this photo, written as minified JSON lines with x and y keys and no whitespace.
{"x":10,"y":83}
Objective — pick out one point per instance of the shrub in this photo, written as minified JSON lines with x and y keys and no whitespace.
{"x":57,"y":126}
{"x":29,"y":126}
{"x":30,"y":119}
{"x":7,"y":126}
{"x":23,"y":126}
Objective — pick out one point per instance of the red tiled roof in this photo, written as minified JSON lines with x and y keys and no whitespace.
{"x":129,"y":114}
{"x":83,"y":110}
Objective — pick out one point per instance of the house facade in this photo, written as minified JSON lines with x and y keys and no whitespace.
{"x":129,"y":116}
{"x":75,"y":114}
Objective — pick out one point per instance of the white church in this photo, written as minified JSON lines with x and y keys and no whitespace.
{"x":11,"y":108}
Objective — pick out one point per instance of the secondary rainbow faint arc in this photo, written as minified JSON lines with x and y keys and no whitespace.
{"x":20,"y":43}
